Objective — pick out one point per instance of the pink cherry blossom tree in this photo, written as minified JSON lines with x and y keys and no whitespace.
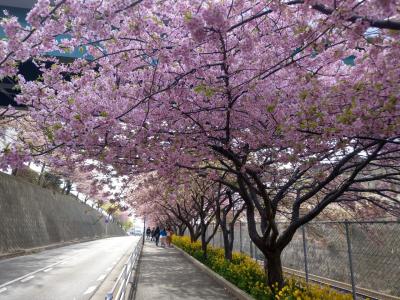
{"x":293,"y":105}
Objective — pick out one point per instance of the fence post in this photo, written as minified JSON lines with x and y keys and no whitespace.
{"x":256,"y":252}
{"x":240,"y":237}
{"x":251,"y":249}
{"x":303,"y":231}
{"x":220,"y":239}
{"x":353,"y":286}
{"x":212,"y":239}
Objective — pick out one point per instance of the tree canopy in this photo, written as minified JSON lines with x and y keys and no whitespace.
{"x":292,"y":105}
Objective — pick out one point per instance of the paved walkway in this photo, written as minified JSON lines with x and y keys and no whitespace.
{"x":167,"y":274}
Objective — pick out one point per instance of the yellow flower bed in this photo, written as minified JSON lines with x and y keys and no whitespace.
{"x":249,"y":276}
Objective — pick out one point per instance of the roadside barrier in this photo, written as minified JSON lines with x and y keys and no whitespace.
{"x":120,"y":287}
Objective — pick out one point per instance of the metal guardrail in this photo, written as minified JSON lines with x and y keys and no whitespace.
{"x":120,"y":286}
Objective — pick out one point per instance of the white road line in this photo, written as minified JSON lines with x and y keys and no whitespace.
{"x":29,"y":274}
{"x":27,"y":278}
{"x":48,"y":270}
{"x":3,"y":290}
{"x":90,"y":290}
{"x":101,"y":277}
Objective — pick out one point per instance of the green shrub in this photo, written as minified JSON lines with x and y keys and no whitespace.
{"x":248,"y":275}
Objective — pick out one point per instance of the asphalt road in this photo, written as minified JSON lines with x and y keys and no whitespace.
{"x":72,"y":273}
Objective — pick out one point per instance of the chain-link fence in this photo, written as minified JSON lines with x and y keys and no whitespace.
{"x":363,"y":257}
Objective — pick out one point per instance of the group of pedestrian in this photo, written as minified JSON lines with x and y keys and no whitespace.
{"x":160,"y":235}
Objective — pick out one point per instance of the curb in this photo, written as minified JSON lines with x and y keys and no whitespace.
{"x":23,"y":252}
{"x":231,"y":288}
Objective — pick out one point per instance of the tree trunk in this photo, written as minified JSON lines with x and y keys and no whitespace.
{"x":273,"y":269}
{"x":231,"y":238}
{"x":181,"y":230}
{"x":204,"y":240}
{"x":227,"y":243}
{"x":204,"y":245}
{"x":197,"y":233}
{"x":191,"y":233}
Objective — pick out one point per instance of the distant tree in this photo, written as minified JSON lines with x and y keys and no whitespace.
{"x":27,"y":174}
{"x":127,"y":225}
{"x":52,"y":181}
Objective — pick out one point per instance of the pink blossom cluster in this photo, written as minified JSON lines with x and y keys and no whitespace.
{"x":268,"y":98}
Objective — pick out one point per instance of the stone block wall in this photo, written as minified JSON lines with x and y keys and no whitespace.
{"x":32,"y":216}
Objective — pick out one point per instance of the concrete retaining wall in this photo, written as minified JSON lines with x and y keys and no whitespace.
{"x":31,"y":216}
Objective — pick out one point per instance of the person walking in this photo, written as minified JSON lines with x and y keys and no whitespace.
{"x":163,"y":236}
{"x":152,"y":238}
{"x":148,"y":232}
{"x":169,"y":237}
{"x":157,"y":235}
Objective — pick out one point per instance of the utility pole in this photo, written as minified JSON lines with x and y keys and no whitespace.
{"x":144,"y":229}
{"x":41,"y":174}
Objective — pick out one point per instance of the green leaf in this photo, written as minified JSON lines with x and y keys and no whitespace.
{"x":49,"y":133}
{"x":303,"y":94}
{"x":390,"y":105}
{"x":16,"y":87}
{"x":347,"y":117}
{"x":271,"y":108}
{"x":188,"y":16}
{"x":7,"y":149}
{"x":206,"y":91}
{"x":57,"y":126}
{"x":209,"y":92}
{"x":198,"y":89}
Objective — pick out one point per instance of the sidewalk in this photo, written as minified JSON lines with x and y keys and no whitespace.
{"x":165,"y":274}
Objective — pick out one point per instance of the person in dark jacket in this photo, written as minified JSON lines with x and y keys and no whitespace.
{"x":148,"y":232}
{"x":157,"y":235}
